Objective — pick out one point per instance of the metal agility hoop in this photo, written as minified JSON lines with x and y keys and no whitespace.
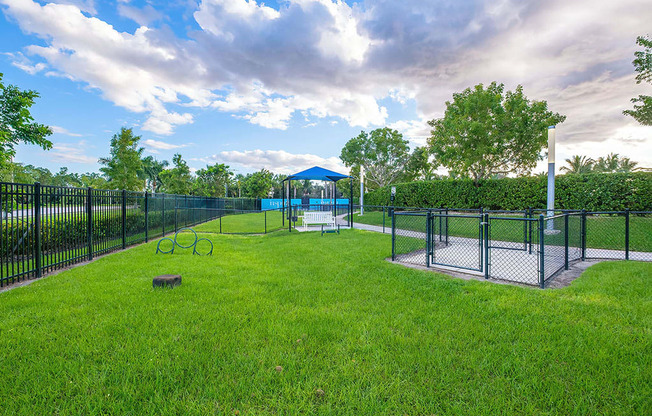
{"x":193,"y":245}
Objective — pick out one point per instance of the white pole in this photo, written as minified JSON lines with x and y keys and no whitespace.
{"x":361,"y":190}
{"x":551,"y":175}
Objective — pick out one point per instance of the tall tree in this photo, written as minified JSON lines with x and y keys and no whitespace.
{"x":213,"y":181}
{"x":578,"y":164}
{"x":17,"y":124}
{"x":257,"y":184}
{"x":626,"y":165}
{"x":383,"y":153}
{"x":151,"y":172}
{"x":487,"y":132}
{"x":419,"y":166}
{"x":608,"y":164}
{"x":614,"y":163}
{"x":122,"y":167}
{"x":177,"y":180}
{"x":642,"y":111}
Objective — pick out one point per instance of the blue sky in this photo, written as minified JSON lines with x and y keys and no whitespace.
{"x":283,"y":85}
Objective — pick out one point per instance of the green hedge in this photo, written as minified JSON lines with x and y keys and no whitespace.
{"x":593,"y":192}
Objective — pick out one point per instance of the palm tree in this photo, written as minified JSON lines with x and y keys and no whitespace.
{"x":151,"y":171}
{"x":578,"y":164}
{"x":607,"y":164}
{"x":626,"y":165}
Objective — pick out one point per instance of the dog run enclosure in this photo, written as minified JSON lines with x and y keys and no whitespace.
{"x":317,"y":174}
{"x":517,"y":246}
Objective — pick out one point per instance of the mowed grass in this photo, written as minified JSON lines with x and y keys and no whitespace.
{"x":353,"y":333}
{"x":250,"y":223}
{"x":602,"y":231}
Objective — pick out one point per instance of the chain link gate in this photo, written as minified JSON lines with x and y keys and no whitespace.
{"x":455,"y":240}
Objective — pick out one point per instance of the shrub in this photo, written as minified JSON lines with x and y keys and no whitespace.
{"x":593,"y":192}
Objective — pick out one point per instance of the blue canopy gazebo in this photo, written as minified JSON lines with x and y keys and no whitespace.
{"x":318,"y":174}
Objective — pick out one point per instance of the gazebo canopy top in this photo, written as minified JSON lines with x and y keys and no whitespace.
{"x":317,"y":174}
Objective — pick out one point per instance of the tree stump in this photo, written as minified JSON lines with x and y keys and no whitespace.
{"x":167,"y":280}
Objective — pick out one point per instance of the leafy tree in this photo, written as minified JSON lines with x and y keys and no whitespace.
{"x":642,"y":111}
{"x":177,"y":180}
{"x":151,"y":172}
{"x":578,"y":164}
{"x":235,"y":188}
{"x":383,"y":153}
{"x":122,"y":167}
{"x":257,"y":184}
{"x":92,"y":179}
{"x":277,"y":185}
{"x":485,"y":132}
{"x":213,"y":181}
{"x":17,"y":172}
{"x":16,"y":122}
{"x":419,"y":166}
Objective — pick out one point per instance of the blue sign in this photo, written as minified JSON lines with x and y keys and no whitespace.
{"x":328,"y":201}
{"x":277,"y":203}
{"x":266,"y":204}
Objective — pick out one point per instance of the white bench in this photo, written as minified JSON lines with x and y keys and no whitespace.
{"x":317,"y":218}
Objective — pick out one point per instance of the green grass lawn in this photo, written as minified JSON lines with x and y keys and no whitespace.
{"x":375,"y":337}
{"x":606,"y":232}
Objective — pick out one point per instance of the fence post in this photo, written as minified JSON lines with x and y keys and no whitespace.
{"x":566,"y":241}
{"x":480,"y":239}
{"x":529,"y":225}
{"x":89,"y":221}
{"x":124,"y":219}
{"x":542,"y":275}
{"x":627,"y":234}
{"x":37,"y":227}
{"x":446,"y":224}
{"x":486,"y":246}
{"x":163,"y":213}
{"x":383,"y":219}
{"x":393,"y":238}
{"x":428,"y":232}
{"x":583,"y":234}
{"x":146,"y":216}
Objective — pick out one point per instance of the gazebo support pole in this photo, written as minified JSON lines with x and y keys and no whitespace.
{"x":290,"y":205}
{"x":283,"y":202}
{"x":351,"y":204}
{"x":334,"y":201}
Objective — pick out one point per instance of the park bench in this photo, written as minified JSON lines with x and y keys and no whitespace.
{"x":317,"y":218}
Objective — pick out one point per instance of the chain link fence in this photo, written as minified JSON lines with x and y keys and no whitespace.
{"x":518,"y":246}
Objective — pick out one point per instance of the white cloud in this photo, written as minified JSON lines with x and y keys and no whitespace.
{"x":21,"y":62}
{"x":61,"y":130}
{"x":71,"y":153}
{"x":326,"y":58}
{"x":278,"y":161}
{"x":151,"y":144}
{"x":143,"y":16}
{"x":416,"y":131}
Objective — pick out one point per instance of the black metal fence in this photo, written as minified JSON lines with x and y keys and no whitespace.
{"x":44,"y":228}
{"x":526,"y":247}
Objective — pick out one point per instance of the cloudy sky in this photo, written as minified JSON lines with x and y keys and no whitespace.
{"x":283,"y":85}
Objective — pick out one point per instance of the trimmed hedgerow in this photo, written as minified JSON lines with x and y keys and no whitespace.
{"x":593,"y":192}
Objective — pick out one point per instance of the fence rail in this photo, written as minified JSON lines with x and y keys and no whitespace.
{"x":44,"y":228}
